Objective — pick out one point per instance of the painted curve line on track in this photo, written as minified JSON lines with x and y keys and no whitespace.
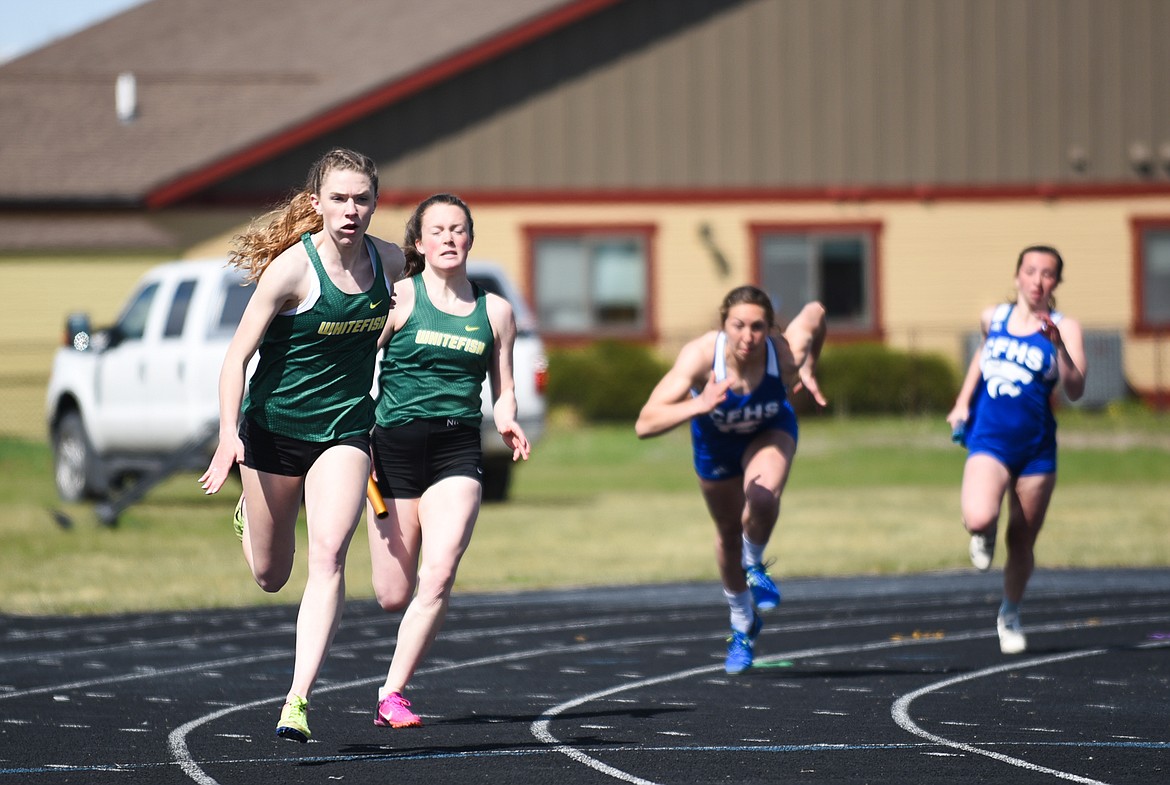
{"x":900,"y":712}
{"x":540,"y":727}
{"x":181,"y":754}
{"x":249,"y":659}
{"x":177,"y":741}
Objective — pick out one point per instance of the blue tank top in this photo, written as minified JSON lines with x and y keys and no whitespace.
{"x":743,"y":414}
{"x":1019,"y":375}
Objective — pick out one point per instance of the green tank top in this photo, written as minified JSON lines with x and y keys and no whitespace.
{"x":316,"y":368}
{"x":434,"y":367}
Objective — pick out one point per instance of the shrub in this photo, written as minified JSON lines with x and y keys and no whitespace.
{"x":869,"y":378}
{"x":607,"y":381}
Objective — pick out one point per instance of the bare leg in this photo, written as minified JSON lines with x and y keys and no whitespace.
{"x":395,"y":545}
{"x":272,"y":503}
{"x":334,"y":497}
{"x":1028,"y":505}
{"x":985,"y":481}
{"x":725,"y":502}
{"x":749,"y":506}
{"x":767,"y":464}
{"x":447,"y":513}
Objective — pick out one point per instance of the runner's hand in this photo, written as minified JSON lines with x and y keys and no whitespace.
{"x":808,"y":382}
{"x":228,"y":453}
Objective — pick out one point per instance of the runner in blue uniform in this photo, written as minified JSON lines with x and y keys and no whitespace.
{"x":1005,"y":410}
{"x":732,"y":385}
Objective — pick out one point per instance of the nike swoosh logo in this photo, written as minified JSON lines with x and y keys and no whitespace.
{"x":469,"y":328}
{"x":375,"y":305}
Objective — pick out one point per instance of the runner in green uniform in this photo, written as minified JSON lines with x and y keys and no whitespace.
{"x":323,"y":297}
{"x":445,"y":336}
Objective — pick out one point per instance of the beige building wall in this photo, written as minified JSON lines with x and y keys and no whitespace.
{"x":940,"y":265}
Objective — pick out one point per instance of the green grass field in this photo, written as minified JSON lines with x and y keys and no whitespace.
{"x":595,"y":506}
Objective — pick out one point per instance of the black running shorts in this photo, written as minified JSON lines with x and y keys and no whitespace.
{"x":272,"y":453}
{"x":411,"y":458}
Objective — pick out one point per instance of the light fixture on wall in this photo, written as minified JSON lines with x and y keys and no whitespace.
{"x":1141,"y":158}
{"x":126,"y":97}
{"x":717,"y":257}
{"x":1164,"y":155}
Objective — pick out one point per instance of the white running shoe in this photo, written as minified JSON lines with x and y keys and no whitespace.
{"x":982,"y":548}
{"x":1011,"y":636}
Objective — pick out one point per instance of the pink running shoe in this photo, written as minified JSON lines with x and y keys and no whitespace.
{"x":394,"y":711}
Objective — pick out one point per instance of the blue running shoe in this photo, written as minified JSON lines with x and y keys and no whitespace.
{"x":740,"y":647}
{"x":765,"y":592}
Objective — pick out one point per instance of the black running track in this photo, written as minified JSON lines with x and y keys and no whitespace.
{"x":877,"y":680}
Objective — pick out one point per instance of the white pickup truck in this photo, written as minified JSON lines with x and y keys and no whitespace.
{"x":141,"y":398}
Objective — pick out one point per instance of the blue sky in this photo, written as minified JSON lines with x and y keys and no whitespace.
{"x":26,"y":25}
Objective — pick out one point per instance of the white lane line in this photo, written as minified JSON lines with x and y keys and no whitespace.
{"x":251,"y":659}
{"x":177,"y":741}
{"x":71,"y":633}
{"x":456,"y":636}
{"x":901,"y":713}
{"x":285,"y":628}
{"x":901,"y":708}
{"x":151,"y":674}
{"x":181,"y":754}
{"x":893,"y":613}
{"x":540,"y":727}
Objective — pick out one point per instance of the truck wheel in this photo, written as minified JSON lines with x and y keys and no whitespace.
{"x":73,"y":460}
{"x":497,"y":475}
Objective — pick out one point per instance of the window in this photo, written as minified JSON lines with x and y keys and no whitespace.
{"x":592,"y":282}
{"x":132,"y":325}
{"x":833,"y":264}
{"x":235,"y":299}
{"x":1153,"y":275}
{"x":177,"y":316}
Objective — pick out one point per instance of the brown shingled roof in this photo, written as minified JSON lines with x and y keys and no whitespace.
{"x":221,"y":81}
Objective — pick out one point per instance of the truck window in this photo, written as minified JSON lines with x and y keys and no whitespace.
{"x":132,"y":325}
{"x":181,"y":303}
{"x":493,"y":285}
{"x":488,"y":284}
{"x":235,"y":299}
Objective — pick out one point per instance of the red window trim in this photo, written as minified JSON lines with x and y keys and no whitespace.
{"x":872,"y":229}
{"x":644,"y":231}
{"x":1138,"y":228}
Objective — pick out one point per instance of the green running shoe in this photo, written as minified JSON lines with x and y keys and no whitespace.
{"x":238,"y":519}
{"x":294,"y":720}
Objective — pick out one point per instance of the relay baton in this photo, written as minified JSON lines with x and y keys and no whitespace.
{"x":375,"y":497}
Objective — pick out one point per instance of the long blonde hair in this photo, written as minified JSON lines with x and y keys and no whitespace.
{"x":271,"y":233}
